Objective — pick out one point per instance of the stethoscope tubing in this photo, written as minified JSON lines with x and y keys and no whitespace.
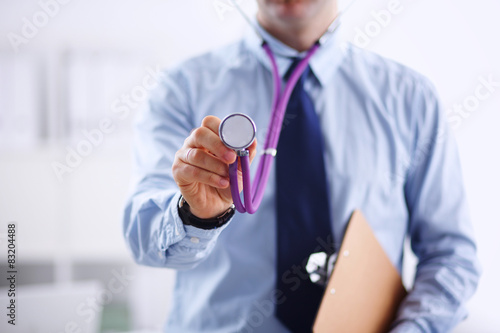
{"x":253,"y":194}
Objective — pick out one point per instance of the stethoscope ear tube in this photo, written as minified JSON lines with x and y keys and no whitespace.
{"x":253,"y":194}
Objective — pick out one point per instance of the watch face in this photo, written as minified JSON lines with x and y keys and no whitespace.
{"x":237,"y":131}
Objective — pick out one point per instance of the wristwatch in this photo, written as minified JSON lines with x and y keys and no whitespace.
{"x":189,"y":219}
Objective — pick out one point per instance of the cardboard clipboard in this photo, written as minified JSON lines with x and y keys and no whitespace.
{"x":364,"y":290}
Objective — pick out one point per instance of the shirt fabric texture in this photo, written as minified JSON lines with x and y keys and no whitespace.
{"x":388,"y":152}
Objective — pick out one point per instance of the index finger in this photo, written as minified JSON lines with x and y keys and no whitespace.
{"x":212,"y":123}
{"x":203,"y":137}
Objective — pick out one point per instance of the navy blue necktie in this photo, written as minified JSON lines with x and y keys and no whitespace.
{"x":303,"y":209}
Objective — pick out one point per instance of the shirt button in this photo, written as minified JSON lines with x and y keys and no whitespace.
{"x":195,"y":240}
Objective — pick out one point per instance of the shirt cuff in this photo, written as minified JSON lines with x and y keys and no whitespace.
{"x":189,"y":238}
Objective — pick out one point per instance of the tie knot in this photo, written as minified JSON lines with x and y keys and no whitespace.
{"x":293,"y":66}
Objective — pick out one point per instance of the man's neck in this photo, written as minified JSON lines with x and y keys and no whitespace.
{"x":299,"y":35}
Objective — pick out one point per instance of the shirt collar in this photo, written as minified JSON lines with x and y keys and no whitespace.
{"x":323,"y":64}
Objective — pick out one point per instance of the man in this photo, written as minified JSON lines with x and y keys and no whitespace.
{"x":384,"y":148}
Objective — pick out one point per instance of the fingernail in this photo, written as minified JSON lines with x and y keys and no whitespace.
{"x":224,"y":182}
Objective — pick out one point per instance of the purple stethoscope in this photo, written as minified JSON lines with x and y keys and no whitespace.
{"x":237,"y":131}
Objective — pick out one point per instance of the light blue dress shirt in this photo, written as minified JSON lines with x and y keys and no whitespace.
{"x":388,"y":153}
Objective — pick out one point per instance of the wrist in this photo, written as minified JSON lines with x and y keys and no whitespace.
{"x":189,"y":218}
{"x":203,"y":215}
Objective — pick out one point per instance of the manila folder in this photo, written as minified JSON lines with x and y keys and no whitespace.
{"x":364,"y":290}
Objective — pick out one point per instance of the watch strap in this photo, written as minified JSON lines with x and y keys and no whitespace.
{"x":207,"y":224}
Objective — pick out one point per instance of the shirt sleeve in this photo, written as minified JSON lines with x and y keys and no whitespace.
{"x":152,"y":227}
{"x":440,"y":227}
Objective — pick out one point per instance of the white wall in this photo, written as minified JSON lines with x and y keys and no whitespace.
{"x":452,"y":42}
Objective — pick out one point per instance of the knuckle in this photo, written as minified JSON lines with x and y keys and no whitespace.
{"x":175,"y":167}
{"x":180,"y":172}
{"x":198,"y":134}
{"x":196,"y":156}
{"x":177,"y":161}
{"x":177,"y":156}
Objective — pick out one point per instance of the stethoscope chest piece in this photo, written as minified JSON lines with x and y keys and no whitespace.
{"x":237,"y":131}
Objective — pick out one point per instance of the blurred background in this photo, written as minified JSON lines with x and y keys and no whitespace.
{"x":72,"y":75}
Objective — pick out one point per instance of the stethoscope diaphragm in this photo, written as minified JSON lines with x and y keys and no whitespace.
{"x":237,"y":131}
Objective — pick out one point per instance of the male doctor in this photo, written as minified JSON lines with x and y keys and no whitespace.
{"x":360,"y":132}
